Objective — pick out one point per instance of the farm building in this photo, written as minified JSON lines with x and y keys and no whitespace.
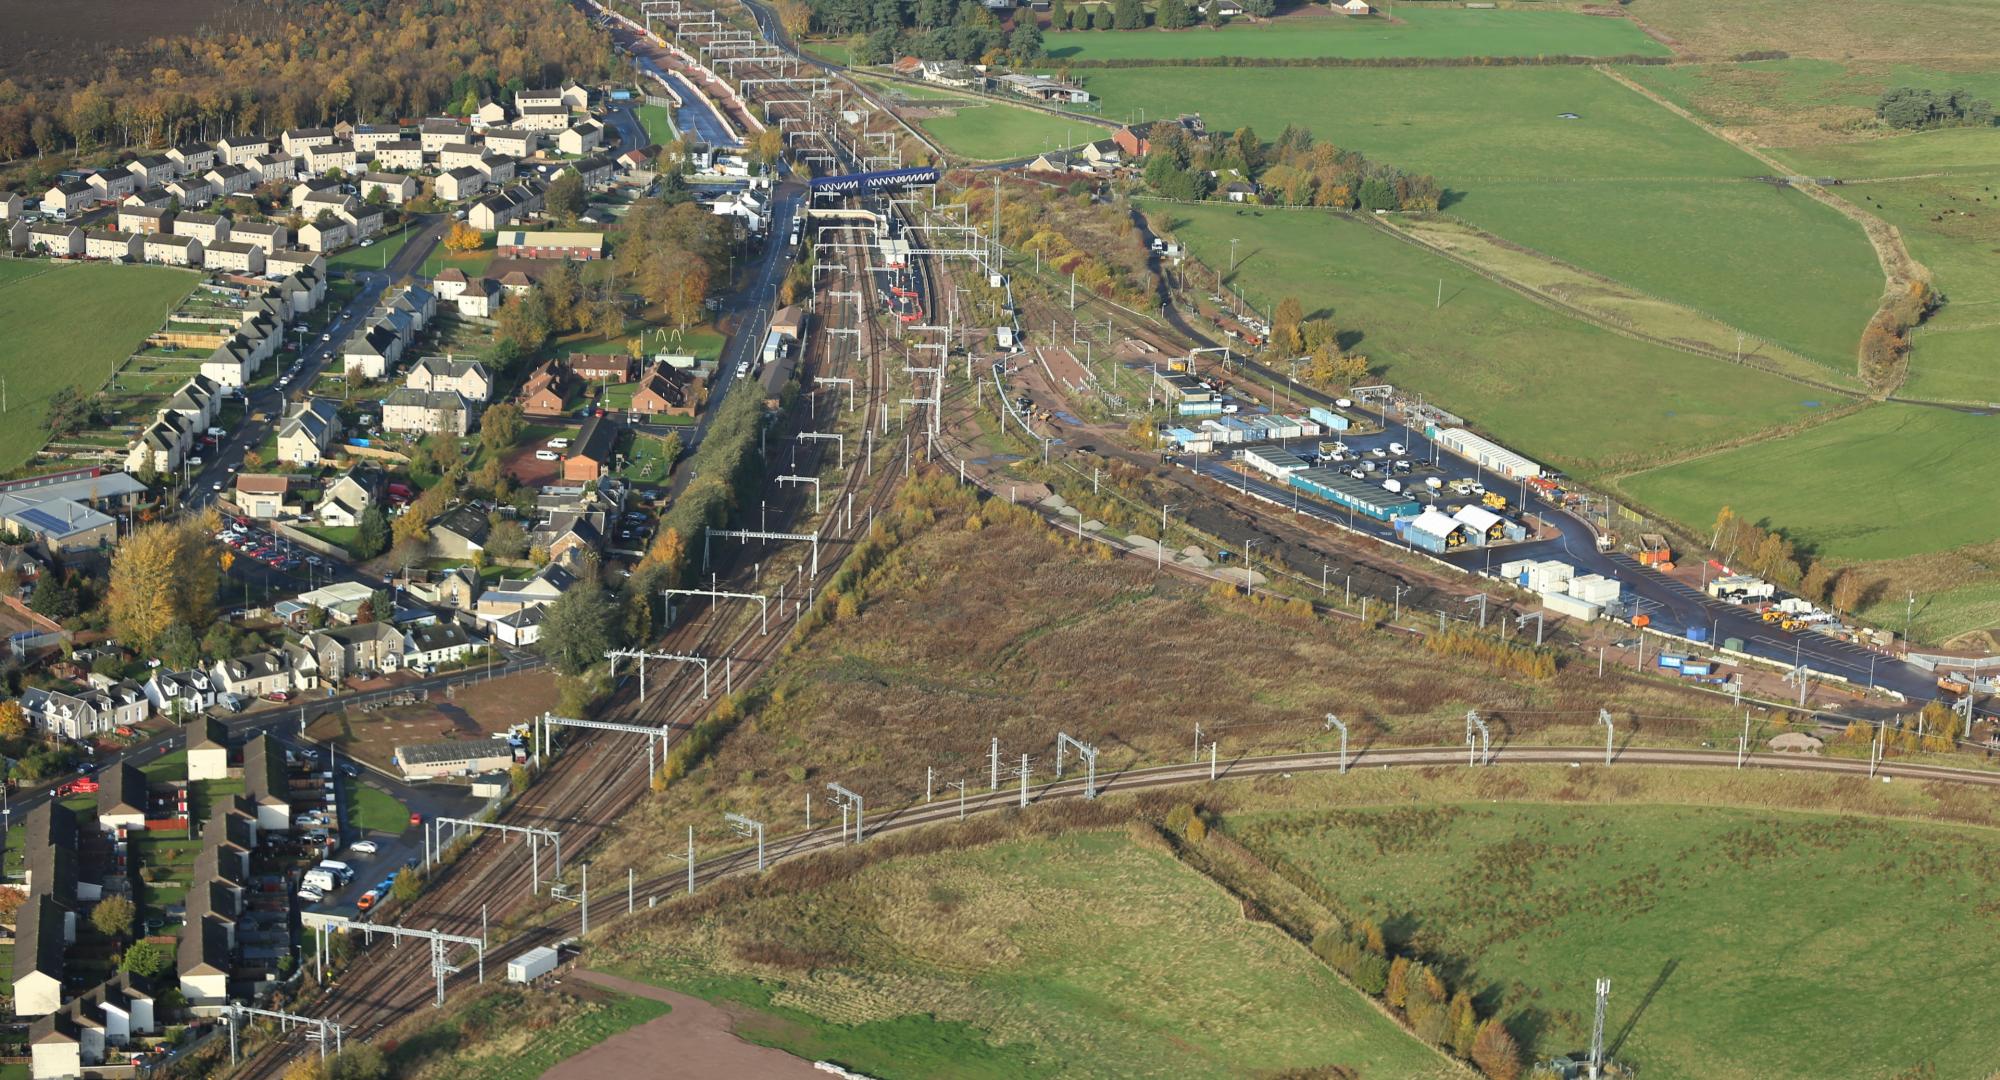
{"x":457,"y":757}
{"x":1485,"y":453}
{"x":1357,"y":495}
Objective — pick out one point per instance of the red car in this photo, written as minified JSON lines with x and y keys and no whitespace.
{"x":416,"y":819}
{"x":277,"y":695}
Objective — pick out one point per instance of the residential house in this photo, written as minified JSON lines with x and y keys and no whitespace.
{"x":372,"y":353}
{"x":89,"y":1033}
{"x":181,"y":693}
{"x":513,"y":142}
{"x":497,"y":169}
{"x":517,"y":283}
{"x":273,"y":671}
{"x":506,"y":205}
{"x":583,"y":137}
{"x":369,"y":139}
{"x":43,"y":928}
{"x":459,"y":156}
{"x":544,"y":118}
{"x":438,"y":134}
{"x":153,"y":169}
{"x":297,"y":141}
{"x":457,"y":588}
{"x":68,"y":198}
{"x":460,"y":183}
{"x":110,"y":244}
{"x":479,"y":299}
{"x":163,"y":443}
{"x":343,"y":503}
{"x":575,"y":95}
{"x":539,"y":99}
{"x":122,"y":798}
{"x":230,"y":179}
{"x":449,"y":283}
{"x":110,"y":186}
{"x":489,"y":114}
{"x":590,"y":456}
{"x":596,"y":171}
{"x":429,"y":645}
{"x":406,"y":154}
{"x":335,"y":157}
{"x":1353,"y":7}
{"x":359,"y":650}
{"x":396,"y":190}
{"x":171,"y":250}
{"x":240,"y":258}
{"x":299,"y":261}
{"x":412,"y":410}
{"x":546,"y":391}
{"x":241,"y":149}
{"x":511,"y":596}
{"x":1240,"y":191}
{"x":207,"y":228}
{"x":233,"y":363}
{"x":270,"y":237}
{"x":193,"y":158}
{"x":953,"y":73}
{"x":468,"y":378}
{"x":144,"y":219}
{"x":262,"y":496}
{"x":569,"y":537}
{"x":276,"y":168}
{"x":517,"y":244}
{"x":85,"y":712}
{"x":601,"y":367}
{"x":329,"y":234}
{"x":192,"y":190}
{"x":62,"y":241}
{"x":309,"y":429}
{"x":664,"y":391}
{"x":460,"y":531}
{"x":314,"y":188}
{"x":1103,"y":155}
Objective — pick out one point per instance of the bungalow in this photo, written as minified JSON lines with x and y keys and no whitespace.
{"x":408,"y":409}
{"x":230,"y":179}
{"x":263,"y":496}
{"x":207,"y":228}
{"x":432,"y":644}
{"x":460,"y":183}
{"x":395,"y":189}
{"x":1057,"y":163}
{"x":513,"y":142}
{"x":345,"y":500}
{"x":65,"y":199}
{"x":580,"y":138}
{"x":309,"y":428}
{"x":192,"y":158}
{"x":953,"y":73}
{"x":327,"y":234}
{"x":361,"y":649}
{"x":435,"y":135}
{"x":192,"y":190}
{"x":400,"y":154}
{"x":468,"y":378}
{"x":544,"y":118}
{"x":459,"y":532}
{"x":171,"y":250}
{"x":1226,"y":8}
{"x":241,"y":258}
{"x":242,"y":149}
{"x":590,"y":455}
{"x":153,"y":169}
{"x":516,"y":244}
{"x":110,"y":244}
{"x":111,"y":186}
{"x":259,"y":234}
{"x":297,"y":141}
{"x":275,"y":168}
{"x":1238,"y":191}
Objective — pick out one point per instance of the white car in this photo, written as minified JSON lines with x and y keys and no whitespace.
{"x":326,"y":337}
{"x":1396,"y":448}
{"x":743,"y":368}
{"x":557,"y":444}
{"x":547,"y":455}
{"x":311,"y":895}
{"x":367,"y":243}
{"x":365,"y":847}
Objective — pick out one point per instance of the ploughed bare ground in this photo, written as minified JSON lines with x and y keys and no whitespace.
{"x":696,"y":1039}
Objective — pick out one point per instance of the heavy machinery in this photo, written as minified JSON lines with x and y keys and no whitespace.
{"x":1495,"y":500}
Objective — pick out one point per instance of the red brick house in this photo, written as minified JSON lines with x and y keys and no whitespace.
{"x":663,"y":392}
{"x":601,"y":367}
{"x":519,"y":244}
{"x":545,"y":391}
{"x":590,"y":455}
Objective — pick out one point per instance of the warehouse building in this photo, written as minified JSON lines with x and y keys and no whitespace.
{"x":1357,"y":495}
{"x":1434,"y":531}
{"x":457,"y":757}
{"x":1485,"y":453}
{"x":1274,"y":461}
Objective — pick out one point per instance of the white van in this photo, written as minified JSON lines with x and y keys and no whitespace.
{"x":337,"y":868}
{"x":320,"y":881}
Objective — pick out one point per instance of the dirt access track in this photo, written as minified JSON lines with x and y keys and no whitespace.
{"x":698,"y":1038}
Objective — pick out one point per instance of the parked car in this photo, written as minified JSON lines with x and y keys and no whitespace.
{"x":365,"y":847}
{"x":557,"y":444}
{"x":547,"y":455}
{"x":311,"y":895}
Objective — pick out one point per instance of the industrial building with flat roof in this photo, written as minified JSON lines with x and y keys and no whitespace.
{"x":1357,"y":495}
{"x":457,"y":757}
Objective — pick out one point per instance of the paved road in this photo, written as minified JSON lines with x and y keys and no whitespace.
{"x":751,"y":305}
{"x":1673,"y":606}
{"x":694,"y":116}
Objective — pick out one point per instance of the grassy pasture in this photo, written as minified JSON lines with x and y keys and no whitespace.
{"x":1697,"y":916}
{"x":45,"y":309}
{"x":1080,"y":954}
{"x":1923,"y":471}
{"x":1828,"y":93}
{"x":995,"y":132}
{"x":1919,"y":153}
{"x":1548,"y":384}
{"x":1416,"y":32}
{"x":1627,"y":190}
{"x":1833,"y":29}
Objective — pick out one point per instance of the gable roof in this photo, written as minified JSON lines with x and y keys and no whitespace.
{"x":596,"y":441}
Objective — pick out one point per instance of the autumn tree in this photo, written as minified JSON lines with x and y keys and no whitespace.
{"x":463,"y":239}
{"x":164,"y":573}
{"x":1495,"y":1052}
{"x":499,"y":427}
{"x":1847,"y":592}
{"x":1287,"y":324}
{"x":507,"y":539}
{"x":566,"y":198}
{"x":579,"y":627}
{"x":1813,"y":586}
{"x":112,"y":916}
{"x":13,"y":722}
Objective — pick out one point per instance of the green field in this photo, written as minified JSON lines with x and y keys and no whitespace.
{"x":375,"y":256}
{"x":1627,"y":190}
{"x":659,"y":126}
{"x":1083,"y":954}
{"x":994,"y":132}
{"x":1416,"y":32}
{"x":1547,"y":384}
{"x":1800,"y":90}
{"x":1924,"y":471}
{"x":1739,"y":943}
{"x":1838,"y":29}
{"x":372,"y":810}
{"x":71,"y":325}
{"x":1952,"y":364}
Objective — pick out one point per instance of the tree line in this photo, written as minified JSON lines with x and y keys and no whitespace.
{"x":369,"y":66}
{"x":1915,"y":108}
{"x":1297,"y":170}
{"x":1746,"y":546}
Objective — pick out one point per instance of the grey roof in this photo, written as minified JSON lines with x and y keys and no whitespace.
{"x":38,"y":937}
{"x":433,"y":636}
{"x":88,"y":489}
{"x":434,"y":400}
{"x":596,"y":441}
{"x":444,"y":753}
{"x":465,"y":522}
{"x":264,"y":771}
{"x":122,"y":790}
